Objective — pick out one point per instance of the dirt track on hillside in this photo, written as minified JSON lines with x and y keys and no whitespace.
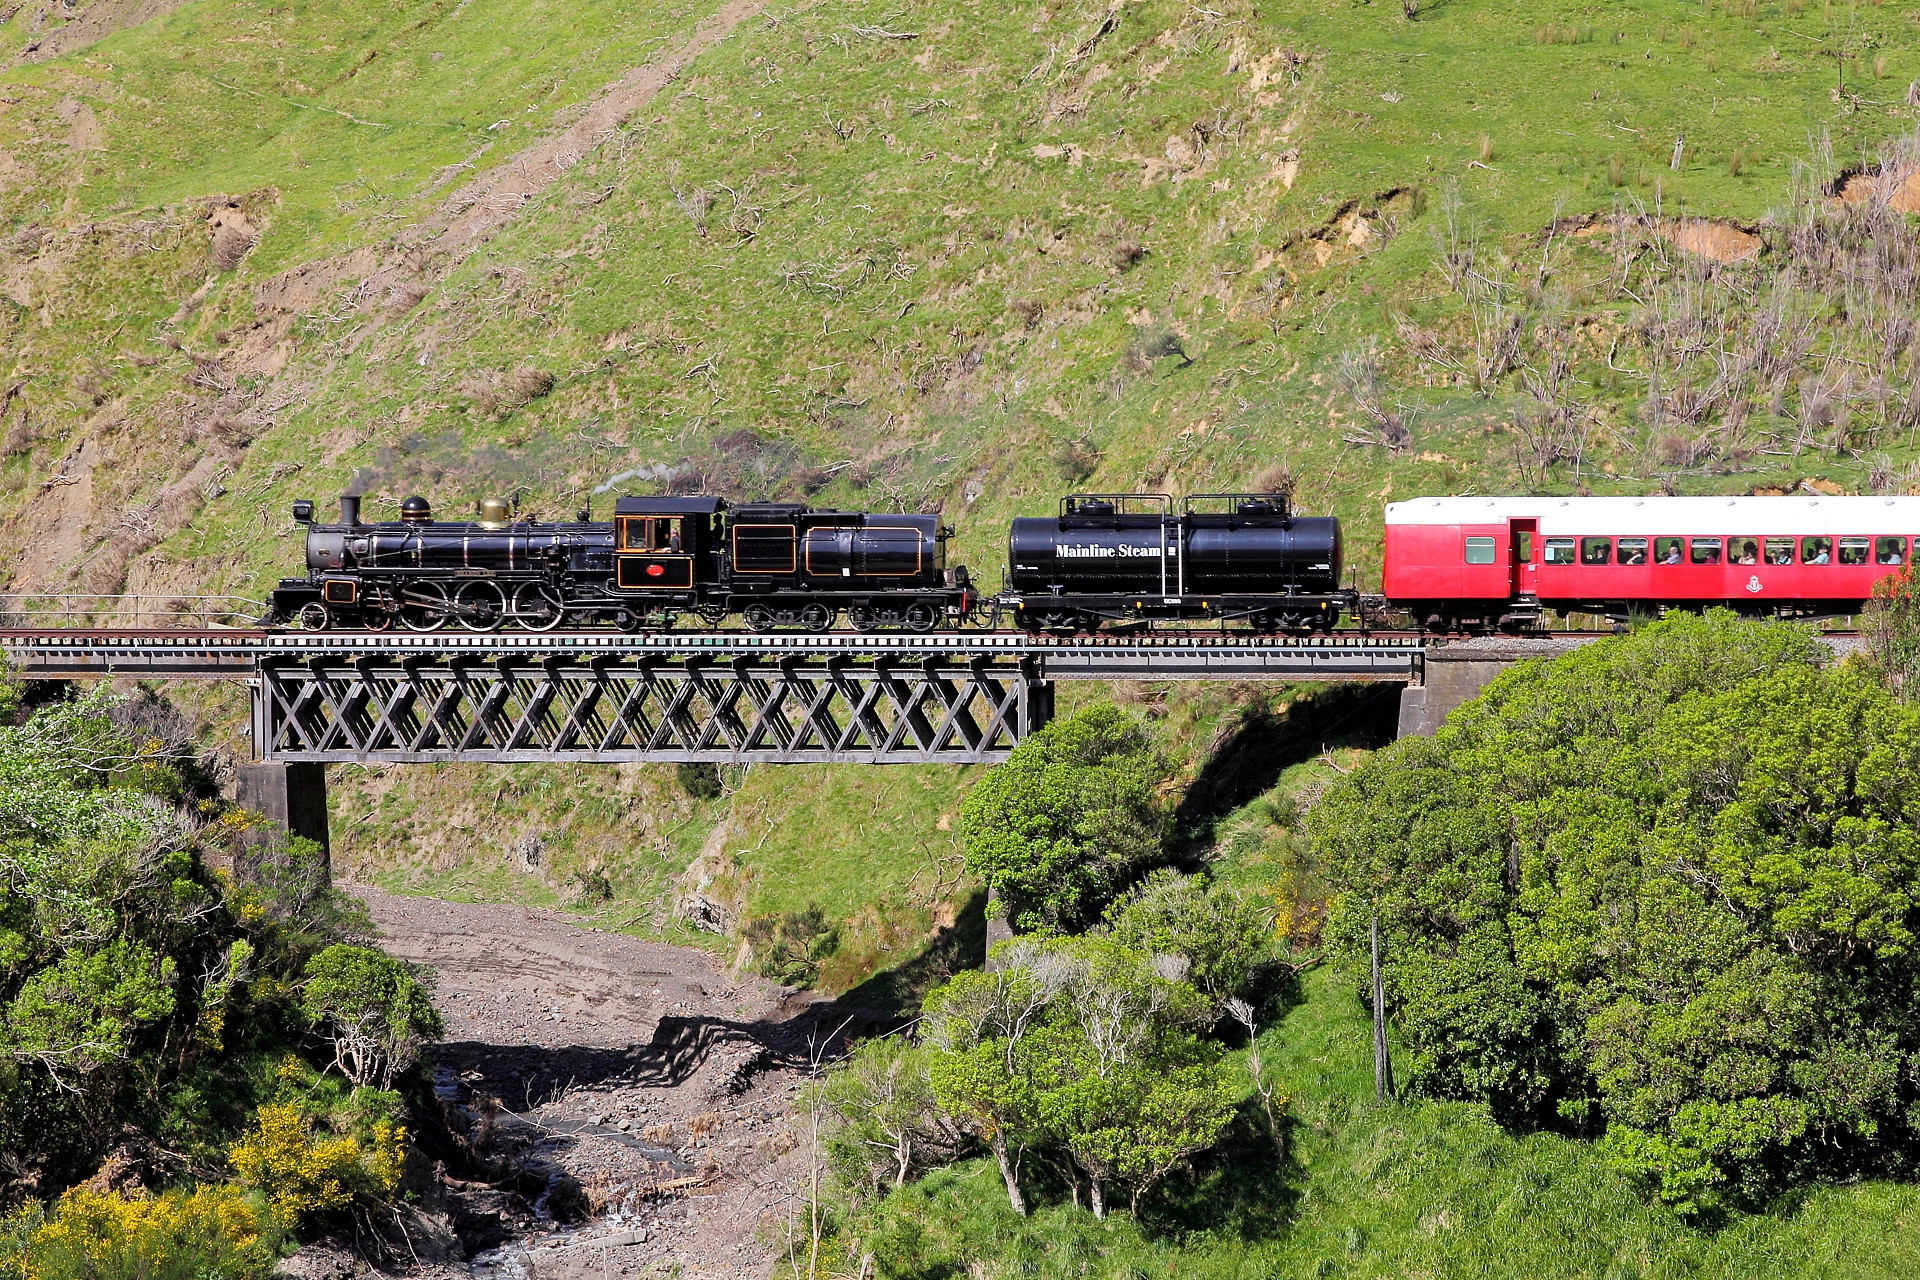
{"x":639,"y":1078}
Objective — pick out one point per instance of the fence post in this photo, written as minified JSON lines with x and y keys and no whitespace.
{"x":1382,"y":1064}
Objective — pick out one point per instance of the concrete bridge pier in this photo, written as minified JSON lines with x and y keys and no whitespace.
{"x":1455,"y":673}
{"x":292,"y":795}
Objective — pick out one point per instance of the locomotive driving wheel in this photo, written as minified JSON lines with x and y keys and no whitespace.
{"x":424,"y":606}
{"x":480,"y":606}
{"x":314,"y":616}
{"x":538,"y":607}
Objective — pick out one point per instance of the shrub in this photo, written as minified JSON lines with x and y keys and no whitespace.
{"x":303,"y":1172}
{"x":1068,"y":820}
{"x":375,"y":1012}
{"x":212,"y":1233}
{"x":1223,"y":937}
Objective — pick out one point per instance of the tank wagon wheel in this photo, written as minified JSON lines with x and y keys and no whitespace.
{"x":314,"y":616}
{"x":861,"y":618}
{"x":538,"y":607}
{"x":424,"y":606}
{"x":921,"y":616}
{"x":480,"y":606}
{"x":816,"y":617}
{"x":758,"y":617}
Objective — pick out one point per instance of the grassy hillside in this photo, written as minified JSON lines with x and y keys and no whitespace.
{"x":935,"y":254}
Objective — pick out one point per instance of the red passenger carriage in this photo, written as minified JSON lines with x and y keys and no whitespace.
{"x":1494,"y":562}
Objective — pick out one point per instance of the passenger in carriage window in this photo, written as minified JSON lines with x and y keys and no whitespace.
{"x":1779,"y":550}
{"x":1666,"y":550}
{"x":1853,"y":551}
{"x":1816,"y":551}
{"x":1743,"y":551}
{"x":1633,"y":551}
{"x":1596,"y":550}
{"x":1706,"y":551}
{"x":1889,"y":550}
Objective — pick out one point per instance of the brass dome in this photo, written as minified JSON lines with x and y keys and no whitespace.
{"x":494,"y":513}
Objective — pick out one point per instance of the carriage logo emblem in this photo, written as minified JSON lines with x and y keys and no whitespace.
{"x":1753,"y":583}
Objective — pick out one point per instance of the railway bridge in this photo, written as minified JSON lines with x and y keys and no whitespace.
{"x":717,"y":696}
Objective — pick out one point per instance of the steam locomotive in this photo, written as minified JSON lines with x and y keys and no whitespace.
{"x":1103,"y":558}
{"x":774,"y":564}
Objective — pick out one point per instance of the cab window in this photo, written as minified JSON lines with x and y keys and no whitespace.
{"x":1558,"y":551}
{"x":1479,"y":550}
{"x":1816,"y":551}
{"x":1853,"y":550}
{"x":1596,"y":550}
{"x":1743,"y":551}
{"x":1633,"y":551}
{"x":1889,"y":550}
{"x":1779,"y":551}
{"x":666,"y":536}
{"x":1667,"y":550}
{"x":1706,"y":551}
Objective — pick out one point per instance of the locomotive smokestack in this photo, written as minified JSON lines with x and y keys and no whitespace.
{"x":349,"y":509}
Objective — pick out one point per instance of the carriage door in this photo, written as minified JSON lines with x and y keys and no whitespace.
{"x":1522,"y":535}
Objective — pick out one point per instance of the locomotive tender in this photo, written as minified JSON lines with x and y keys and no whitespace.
{"x":774,"y":564}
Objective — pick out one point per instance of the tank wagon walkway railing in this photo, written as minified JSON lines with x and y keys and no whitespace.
{"x":727,"y":697}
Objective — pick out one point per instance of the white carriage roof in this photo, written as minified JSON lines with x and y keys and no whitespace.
{"x":1796,"y":514}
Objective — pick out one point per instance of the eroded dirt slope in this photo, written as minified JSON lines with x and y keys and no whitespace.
{"x":633,"y":1096}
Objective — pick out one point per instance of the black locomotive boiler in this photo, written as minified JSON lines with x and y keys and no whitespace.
{"x":774,"y":564}
{"x":1218,"y":556}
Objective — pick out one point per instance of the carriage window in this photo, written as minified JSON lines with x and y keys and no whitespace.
{"x":1596,"y":550}
{"x":1706,"y":551}
{"x":1816,"y":551}
{"x":1666,"y":551}
{"x":1743,"y":551}
{"x":1889,"y":550}
{"x":1779,"y":550}
{"x":1479,"y":550}
{"x":1853,"y":551}
{"x":1559,"y":551}
{"x":1633,"y":551}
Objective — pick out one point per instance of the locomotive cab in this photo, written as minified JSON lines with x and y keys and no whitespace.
{"x":664,"y":545}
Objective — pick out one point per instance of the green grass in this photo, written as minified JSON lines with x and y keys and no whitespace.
{"x":1417,"y":1188}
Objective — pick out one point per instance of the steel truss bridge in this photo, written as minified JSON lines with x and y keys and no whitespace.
{"x":721,"y":697}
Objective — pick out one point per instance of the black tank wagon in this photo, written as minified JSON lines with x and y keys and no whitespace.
{"x":1220,"y":556}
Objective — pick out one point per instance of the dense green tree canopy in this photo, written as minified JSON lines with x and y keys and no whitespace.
{"x":1664,"y":886}
{"x":1071,"y":816}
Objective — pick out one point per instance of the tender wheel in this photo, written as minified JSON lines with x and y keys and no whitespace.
{"x":816,"y":617}
{"x":538,"y":607}
{"x":758,"y":617}
{"x":713,"y":614}
{"x":861,"y":618}
{"x":628,"y":621}
{"x":480,"y":606}
{"x":314,"y":616}
{"x":424,"y":606}
{"x":921,"y":616}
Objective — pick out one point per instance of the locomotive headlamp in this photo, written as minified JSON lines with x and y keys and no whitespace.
{"x":303,"y":511}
